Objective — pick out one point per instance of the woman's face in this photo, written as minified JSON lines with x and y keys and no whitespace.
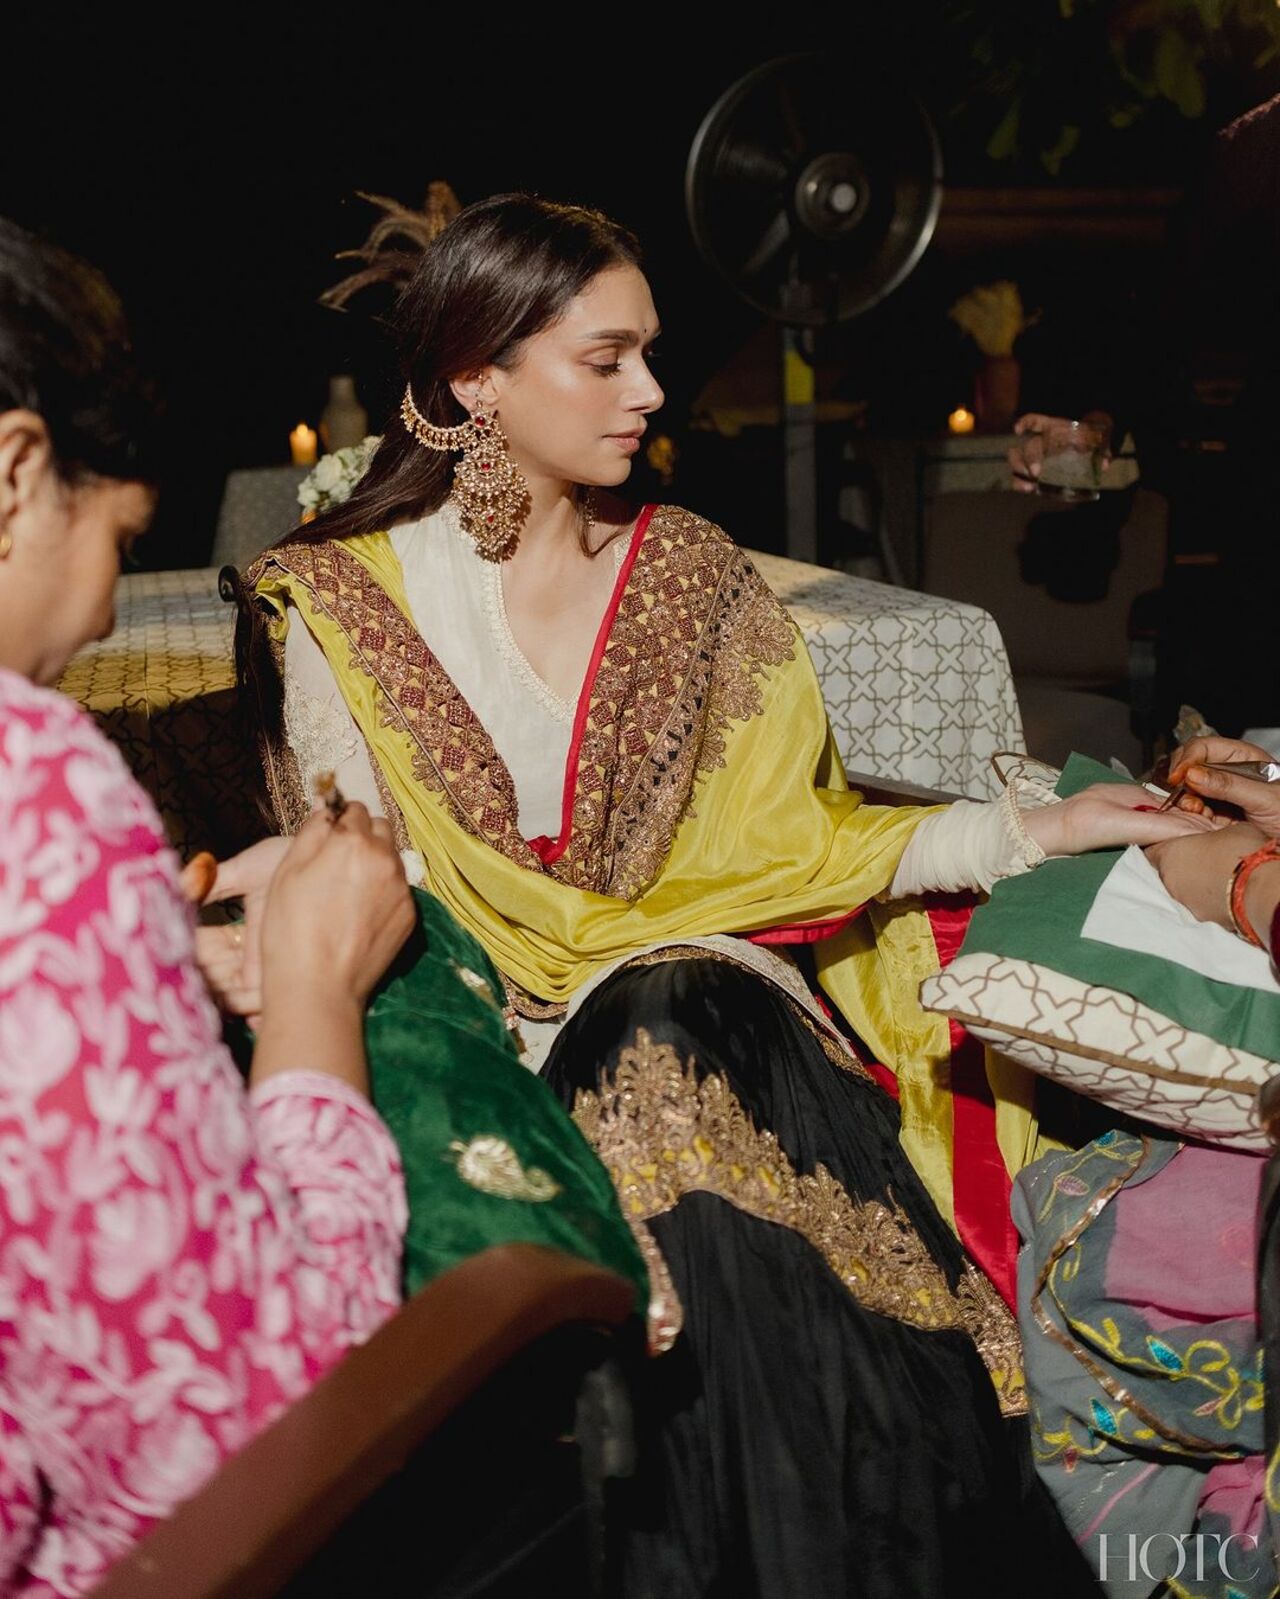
{"x":574,"y":406}
{"x":57,"y":582}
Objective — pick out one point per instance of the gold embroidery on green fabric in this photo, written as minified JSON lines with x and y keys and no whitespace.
{"x":475,"y":982}
{"x":492,"y":1165}
{"x":663,"y":1133}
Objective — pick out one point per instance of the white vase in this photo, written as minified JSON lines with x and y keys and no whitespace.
{"x":344,"y":421}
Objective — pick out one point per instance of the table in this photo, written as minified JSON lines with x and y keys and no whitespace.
{"x":259,"y":506}
{"x":918,"y":689}
{"x":913,"y":471}
{"x":162,"y":687}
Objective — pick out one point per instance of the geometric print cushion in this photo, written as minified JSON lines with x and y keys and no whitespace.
{"x":1107,"y":1045}
{"x":1087,"y":971}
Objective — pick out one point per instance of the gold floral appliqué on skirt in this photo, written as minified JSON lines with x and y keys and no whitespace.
{"x":663,"y":1134}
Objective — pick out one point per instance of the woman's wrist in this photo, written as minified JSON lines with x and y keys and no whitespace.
{"x":1042,"y":825}
{"x":1262,"y":899}
{"x":311,"y":1025}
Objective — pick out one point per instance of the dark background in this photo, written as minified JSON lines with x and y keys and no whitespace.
{"x":207,"y":160}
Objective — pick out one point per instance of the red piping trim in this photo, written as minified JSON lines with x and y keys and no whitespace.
{"x":557,"y":849}
{"x":805,"y":932}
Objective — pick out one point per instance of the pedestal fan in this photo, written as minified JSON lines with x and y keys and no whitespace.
{"x":813,"y":188}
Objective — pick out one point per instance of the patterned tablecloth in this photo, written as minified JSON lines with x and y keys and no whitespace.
{"x":918,"y":690}
{"x":163,"y":688}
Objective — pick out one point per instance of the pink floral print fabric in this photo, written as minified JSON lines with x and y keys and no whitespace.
{"x":178,"y":1258}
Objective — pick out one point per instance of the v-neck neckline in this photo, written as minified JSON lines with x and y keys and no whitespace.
{"x":508,"y":646}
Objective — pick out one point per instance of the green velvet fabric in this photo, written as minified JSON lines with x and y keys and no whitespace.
{"x":444,"y":1075}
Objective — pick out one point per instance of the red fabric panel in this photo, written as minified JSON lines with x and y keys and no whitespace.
{"x":980,"y":1183}
{"x":805,"y":932}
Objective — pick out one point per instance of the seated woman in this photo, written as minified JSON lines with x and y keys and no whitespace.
{"x":178,"y":1258}
{"x":602,"y":745}
{"x":1139,"y":1296}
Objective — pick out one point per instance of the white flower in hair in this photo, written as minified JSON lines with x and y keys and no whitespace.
{"x":334,"y":477}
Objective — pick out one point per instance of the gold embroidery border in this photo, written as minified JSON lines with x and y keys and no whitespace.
{"x":838,"y":1054}
{"x":681,"y":663}
{"x":453,"y":753}
{"x":663,"y":1133}
{"x":695,"y":626}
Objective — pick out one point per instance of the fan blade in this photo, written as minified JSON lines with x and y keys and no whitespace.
{"x":751,"y":163}
{"x":770,"y":174}
{"x":773,"y":239}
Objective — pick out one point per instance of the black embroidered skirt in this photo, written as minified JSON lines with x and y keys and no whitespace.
{"x":825,"y":1424}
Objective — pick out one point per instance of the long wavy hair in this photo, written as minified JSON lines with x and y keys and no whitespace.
{"x":502,"y":271}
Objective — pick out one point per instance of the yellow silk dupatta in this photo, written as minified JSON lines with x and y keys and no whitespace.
{"x":704,"y":794}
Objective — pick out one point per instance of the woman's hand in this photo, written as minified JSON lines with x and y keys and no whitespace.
{"x":1260,"y":802}
{"x":1109,"y":816}
{"x":336,"y":912}
{"x":1197,"y":869}
{"x":1027,"y":456}
{"x":230,"y":956}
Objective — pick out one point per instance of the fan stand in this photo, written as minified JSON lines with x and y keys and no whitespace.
{"x":799,"y":446}
{"x":800,"y":461}
{"x":813,"y":191}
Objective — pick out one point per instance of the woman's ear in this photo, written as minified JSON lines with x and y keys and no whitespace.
{"x":475,"y":391}
{"x":26,"y":456}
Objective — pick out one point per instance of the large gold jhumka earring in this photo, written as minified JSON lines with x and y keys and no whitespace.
{"x":491,"y":495}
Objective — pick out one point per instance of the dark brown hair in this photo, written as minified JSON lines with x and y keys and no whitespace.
{"x":66,"y":354}
{"x":502,"y":271}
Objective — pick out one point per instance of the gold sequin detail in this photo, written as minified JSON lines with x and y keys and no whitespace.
{"x":492,"y":1165}
{"x":784,"y":976}
{"x":663,"y":1134}
{"x":665,"y":1316}
{"x":523,"y":1004}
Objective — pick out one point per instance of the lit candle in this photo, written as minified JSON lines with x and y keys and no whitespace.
{"x":302,"y":445}
{"x":960,"y":420}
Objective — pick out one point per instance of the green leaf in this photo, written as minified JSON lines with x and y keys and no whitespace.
{"x":1177,"y":73}
{"x":1062,"y":147}
{"x":1003,"y":143}
{"x":1067,"y":8}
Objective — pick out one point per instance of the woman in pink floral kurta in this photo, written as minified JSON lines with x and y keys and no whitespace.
{"x":178,"y":1258}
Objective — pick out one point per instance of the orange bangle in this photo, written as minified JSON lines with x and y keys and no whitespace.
{"x":1241,"y":873}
